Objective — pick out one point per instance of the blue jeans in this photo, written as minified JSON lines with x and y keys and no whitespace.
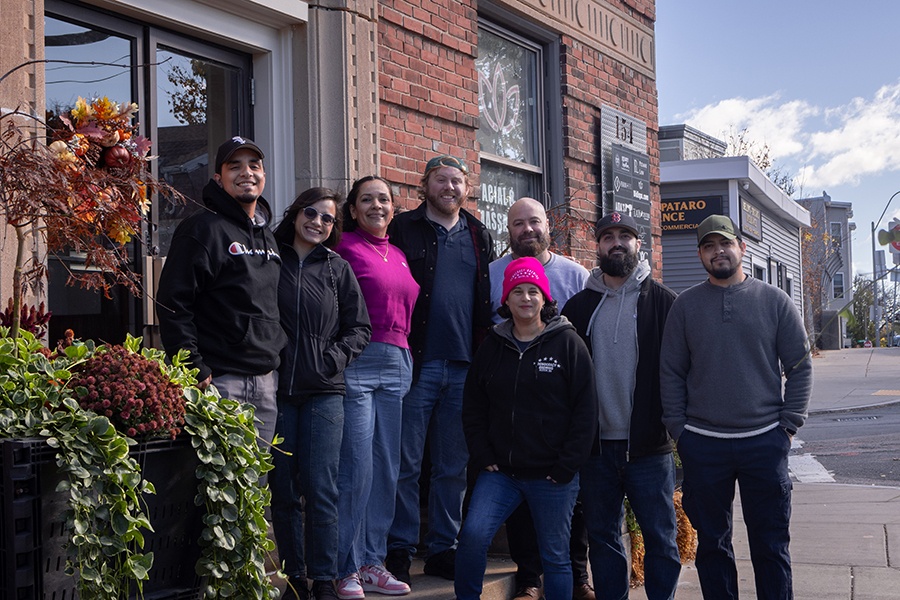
{"x":649,"y":483}
{"x":759,"y":464}
{"x":433,"y":406}
{"x":258,"y":390}
{"x":370,"y":453}
{"x":312,"y":433}
{"x":495,"y":497}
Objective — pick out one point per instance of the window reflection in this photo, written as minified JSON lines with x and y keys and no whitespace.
{"x":65,"y":82}
{"x":88,"y":313}
{"x":196,"y":110}
{"x":510,"y":125}
{"x":506,"y":98}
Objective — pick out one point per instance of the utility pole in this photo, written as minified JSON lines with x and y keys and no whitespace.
{"x":877,"y":341}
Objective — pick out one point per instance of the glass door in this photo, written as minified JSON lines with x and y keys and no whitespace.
{"x":199,"y":103}
{"x":192,"y":96}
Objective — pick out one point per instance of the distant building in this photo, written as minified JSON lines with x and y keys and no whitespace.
{"x":696,"y":181}
{"x":827,"y":268}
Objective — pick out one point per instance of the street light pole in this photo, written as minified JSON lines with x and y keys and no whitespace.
{"x":877,"y":341}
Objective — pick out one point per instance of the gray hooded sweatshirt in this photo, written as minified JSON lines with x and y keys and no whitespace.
{"x":613,"y":334}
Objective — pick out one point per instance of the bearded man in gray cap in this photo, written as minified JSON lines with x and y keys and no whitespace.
{"x":736,"y":378}
{"x":218,"y":291}
{"x":621,"y":315}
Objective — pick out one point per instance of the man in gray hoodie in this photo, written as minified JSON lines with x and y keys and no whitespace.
{"x":621,"y":315}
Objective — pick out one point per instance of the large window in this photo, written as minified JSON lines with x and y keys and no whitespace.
{"x":837,"y":234}
{"x":191,"y":94}
{"x":837,"y":286}
{"x":510,"y":87}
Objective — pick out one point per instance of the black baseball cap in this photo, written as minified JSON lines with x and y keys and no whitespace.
{"x":233,"y":145}
{"x":616,"y":219}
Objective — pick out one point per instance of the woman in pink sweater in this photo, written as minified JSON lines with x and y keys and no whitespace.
{"x":376,"y":383}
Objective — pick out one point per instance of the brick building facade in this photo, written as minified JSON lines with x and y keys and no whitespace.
{"x":429,"y":96}
{"x":553,"y":99}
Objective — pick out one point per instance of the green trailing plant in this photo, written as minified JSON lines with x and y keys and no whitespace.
{"x":235,"y":539}
{"x":104,"y":482}
{"x":234,"y":542}
{"x":39,"y":398}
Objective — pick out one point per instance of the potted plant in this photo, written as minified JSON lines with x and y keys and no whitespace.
{"x":87,"y":190}
{"x":83,"y":401}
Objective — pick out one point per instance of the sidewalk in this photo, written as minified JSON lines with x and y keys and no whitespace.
{"x":845,"y":538}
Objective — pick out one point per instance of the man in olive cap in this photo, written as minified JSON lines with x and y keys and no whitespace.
{"x":736,"y":378}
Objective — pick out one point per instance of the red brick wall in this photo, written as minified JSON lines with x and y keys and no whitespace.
{"x":429,"y":104}
{"x":428,"y":87}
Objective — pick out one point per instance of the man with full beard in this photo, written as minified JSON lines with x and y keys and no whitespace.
{"x":449,"y":251}
{"x":737,"y":376}
{"x":529,"y":236}
{"x":621,"y":315}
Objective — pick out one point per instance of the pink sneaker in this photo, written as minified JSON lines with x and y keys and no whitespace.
{"x":375,"y":578}
{"x":349,"y":588}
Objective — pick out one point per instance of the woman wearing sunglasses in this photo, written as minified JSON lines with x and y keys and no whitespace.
{"x":376,"y":384}
{"x":324,"y":316}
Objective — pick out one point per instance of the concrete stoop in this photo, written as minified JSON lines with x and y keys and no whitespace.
{"x":498,"y":582}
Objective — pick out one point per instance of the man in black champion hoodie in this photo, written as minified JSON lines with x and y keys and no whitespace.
{"x":218,"y":291}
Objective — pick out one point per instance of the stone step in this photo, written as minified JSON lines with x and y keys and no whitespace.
{"x":498,"y":582}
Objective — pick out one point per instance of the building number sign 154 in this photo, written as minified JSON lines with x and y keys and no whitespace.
{"x":625,"y":130}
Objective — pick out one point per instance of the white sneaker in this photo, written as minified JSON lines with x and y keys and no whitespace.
{"x":375,"y":578}
{"x":349,"y":588}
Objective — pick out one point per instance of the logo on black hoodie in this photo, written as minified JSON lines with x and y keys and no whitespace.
{"x":238,"y":249}
{"x":547,"y":364}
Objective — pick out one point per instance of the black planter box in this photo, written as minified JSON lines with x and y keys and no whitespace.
{"x":33,"y":532}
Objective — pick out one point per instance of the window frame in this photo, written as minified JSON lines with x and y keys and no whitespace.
{"x":549,"y":78}
{"x":834,"y":278}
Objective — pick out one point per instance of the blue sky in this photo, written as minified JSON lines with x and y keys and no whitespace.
{"x":816,"y":80}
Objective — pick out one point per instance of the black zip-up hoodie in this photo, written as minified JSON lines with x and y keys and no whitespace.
{"x":217,"y":294}
{"x":324,"y":315}
{"x":531,"y":413}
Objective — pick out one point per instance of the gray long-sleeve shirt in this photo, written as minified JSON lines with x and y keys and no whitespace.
{"x":723,"y":352}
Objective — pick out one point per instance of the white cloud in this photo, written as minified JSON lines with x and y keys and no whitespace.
{"x":766,"y":119}
{"x":865,"y":140}
{"x":825,"y":147}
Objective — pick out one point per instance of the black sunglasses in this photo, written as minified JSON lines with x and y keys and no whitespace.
{"x":310,"y":213}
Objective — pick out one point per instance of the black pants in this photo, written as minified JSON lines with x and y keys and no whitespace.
{"x":523,"y":547}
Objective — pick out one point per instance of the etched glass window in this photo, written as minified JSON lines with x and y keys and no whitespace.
{"x":511,"y":122}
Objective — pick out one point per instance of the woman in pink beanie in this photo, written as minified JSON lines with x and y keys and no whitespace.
{"x":529,"y":414}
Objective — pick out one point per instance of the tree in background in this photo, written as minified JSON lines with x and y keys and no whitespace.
{"x":188,"y":99}
{"x":814,"y":250}
{"x":740,"y":144}
{"x":859,"y":323}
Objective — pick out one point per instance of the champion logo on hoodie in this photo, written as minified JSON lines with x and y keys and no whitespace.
{"x":547,"y":364}
{"x":238,"y":249}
